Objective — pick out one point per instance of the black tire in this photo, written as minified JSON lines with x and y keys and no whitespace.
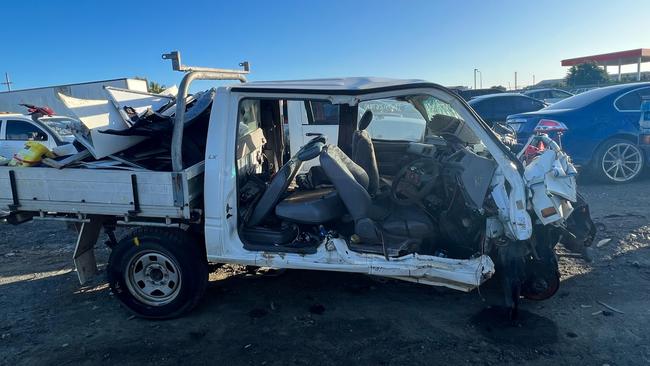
{"x":607,"y":151}
{"x":169,"y":254}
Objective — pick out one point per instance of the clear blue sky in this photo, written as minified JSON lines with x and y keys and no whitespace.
{"x":56,"y":42}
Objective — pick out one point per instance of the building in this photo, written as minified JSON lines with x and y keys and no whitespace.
{"x":47,"y":96}
{"x":630,"y":57}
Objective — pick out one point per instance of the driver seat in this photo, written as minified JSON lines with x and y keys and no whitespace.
{"x":306,"y":207}
{"x":401,"y":226}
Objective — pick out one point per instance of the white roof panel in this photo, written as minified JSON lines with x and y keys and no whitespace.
{"x":340,"y":84}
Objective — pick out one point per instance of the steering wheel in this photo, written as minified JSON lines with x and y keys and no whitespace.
{"x":414,"y":181}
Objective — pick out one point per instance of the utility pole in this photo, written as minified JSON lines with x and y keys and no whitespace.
{"x":533,"y":79}
{"x":7,"y":82}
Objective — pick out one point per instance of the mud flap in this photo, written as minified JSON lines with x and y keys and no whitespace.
{"x":84,"y":252}
{"x":511,"y":269}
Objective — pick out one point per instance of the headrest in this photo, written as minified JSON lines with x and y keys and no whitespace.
{"x":365,"y":120}
{"x":310,"y":151}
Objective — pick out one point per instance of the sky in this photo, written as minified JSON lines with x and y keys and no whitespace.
{"x":59,"y":42}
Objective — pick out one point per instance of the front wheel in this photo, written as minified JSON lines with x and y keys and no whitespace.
{"x":619,"y":161}
{"x":158,"y":273}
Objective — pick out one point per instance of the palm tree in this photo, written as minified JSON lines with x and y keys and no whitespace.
{"x":154,"y":87}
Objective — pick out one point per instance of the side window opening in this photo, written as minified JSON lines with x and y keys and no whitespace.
{"x":322,"y":113}
{"x":24,"y":131}
{"x":248,"y":116}
{"x":632,"y":100}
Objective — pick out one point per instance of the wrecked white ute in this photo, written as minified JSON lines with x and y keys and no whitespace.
{"x":413,"y":185}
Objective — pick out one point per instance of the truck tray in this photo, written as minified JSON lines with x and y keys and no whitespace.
{"x":148,"y":194}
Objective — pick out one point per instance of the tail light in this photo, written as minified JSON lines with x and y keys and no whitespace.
{"x":549,"y":125}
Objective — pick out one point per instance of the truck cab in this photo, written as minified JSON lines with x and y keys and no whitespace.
{"x":17,"y":129}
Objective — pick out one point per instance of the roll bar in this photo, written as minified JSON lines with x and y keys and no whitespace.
{"x":194,"y":73}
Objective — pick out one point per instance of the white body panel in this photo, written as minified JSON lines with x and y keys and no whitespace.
{"x":103,"y":114}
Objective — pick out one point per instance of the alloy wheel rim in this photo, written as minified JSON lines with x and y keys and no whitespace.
{"x":622,"y":162}
{"x":153,"y":278}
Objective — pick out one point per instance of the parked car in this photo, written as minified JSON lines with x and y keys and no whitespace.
{"x":495,"y":108}
{"x":603,"y":129}
{"x":17,"y":129}
{"x":582,"y":90}
{"x":468,"y":94}
{"x":549,"y":96}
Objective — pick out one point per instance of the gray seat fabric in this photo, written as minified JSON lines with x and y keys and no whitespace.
{"x":407,"y":222}
{"x":363,"y":152}
{"x":274,"y":191}
{"x":316,"y":206}
{"x":397,"y":224}
{"x":349,"y":179}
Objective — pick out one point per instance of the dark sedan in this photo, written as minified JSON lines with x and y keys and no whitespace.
{"x":495,"y":108}
{"x":603,"y":129}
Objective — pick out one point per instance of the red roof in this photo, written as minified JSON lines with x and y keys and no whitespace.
{"x":625,"y":58}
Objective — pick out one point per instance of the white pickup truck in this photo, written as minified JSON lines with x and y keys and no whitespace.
{"x":448,"y":204}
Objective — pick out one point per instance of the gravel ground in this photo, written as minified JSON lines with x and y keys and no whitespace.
{"x":307,"y":318}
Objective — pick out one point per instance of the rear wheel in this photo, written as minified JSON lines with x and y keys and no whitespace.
{"x":158,"y":273}
{"x":619,"y":161}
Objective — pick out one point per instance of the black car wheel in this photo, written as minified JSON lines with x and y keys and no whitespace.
{"x":619,"y":161}
{"x":158,"y":273}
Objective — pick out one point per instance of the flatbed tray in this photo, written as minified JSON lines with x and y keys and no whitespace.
{"x":148,"y":194}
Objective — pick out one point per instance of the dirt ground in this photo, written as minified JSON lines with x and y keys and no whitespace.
{"x":310,"y":318}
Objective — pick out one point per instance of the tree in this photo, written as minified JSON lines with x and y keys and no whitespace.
{"x":152,"y":86}
{"x":587,"y":73}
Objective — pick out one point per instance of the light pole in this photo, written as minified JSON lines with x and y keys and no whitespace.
{"x":480,"y":76}
{"x":475,"y":70}
{"x":515,"y":80}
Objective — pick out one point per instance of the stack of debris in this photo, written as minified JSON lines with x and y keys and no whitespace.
{"x":129,"y":130}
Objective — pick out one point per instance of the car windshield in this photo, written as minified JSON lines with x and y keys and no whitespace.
{"x":582,"y":100}
{"x":394,"y":120}
{"x":60,"y":126}
{"x":410,"y":118}
{"x":443,"y":118}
